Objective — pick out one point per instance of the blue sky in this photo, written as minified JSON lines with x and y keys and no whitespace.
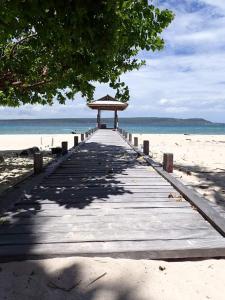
{"x":186,"y":79}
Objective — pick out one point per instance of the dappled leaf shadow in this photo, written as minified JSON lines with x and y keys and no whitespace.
{"x":80,"y":186}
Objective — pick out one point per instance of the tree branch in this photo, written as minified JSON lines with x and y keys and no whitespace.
{"x":20,"y":42}
{"x":36,"y":84}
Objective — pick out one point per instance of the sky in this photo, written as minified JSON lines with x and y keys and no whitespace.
{"x":185,"y":80}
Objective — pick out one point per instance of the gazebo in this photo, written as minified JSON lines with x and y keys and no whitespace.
{"x":107,"y":103}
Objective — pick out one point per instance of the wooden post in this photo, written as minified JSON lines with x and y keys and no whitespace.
{"x":115,"y":120}
{"x":99,"y":119}
{"x":76,"y":141}
{"x":125,"y":134}
{"x":130,"y":137}
{"x":135,"y":142}
{"x":82,"y":137}
{"x":168,"y":162}
{"x":146,"y":147}
{"x":64,"y":148}
{"x":38,"y":162}
{"x":86,"y":134}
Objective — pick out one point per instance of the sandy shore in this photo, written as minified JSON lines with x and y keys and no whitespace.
{"x":15,"y":168}
{"x":42,"y":141}
{"x":199,"y":160}
{"x":112,"y":279}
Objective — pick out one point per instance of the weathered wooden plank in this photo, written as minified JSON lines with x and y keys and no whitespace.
{"x":170,"y":249}
{"x":111,"y":199}
{"x":116,"y":226}
{"x":139,"y":217}
{"x":106,"y":183}
{"x":105,"y":205}
{"x":105,"y":235}
{"x":68,"y":210}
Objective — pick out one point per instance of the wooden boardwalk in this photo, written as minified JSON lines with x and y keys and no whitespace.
{"x":104,"y":200}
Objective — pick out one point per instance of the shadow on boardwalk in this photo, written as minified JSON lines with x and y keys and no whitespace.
{"x":89,"y":177}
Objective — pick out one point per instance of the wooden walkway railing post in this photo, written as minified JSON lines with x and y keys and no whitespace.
{"x":146,"y":147}
{"x":130,"y":137}
{"x":168,"y":162}
{"x":76,"y":141}
{"x":38,"y":162}
{"x":135,"y":141}
{"x":64,"y":148}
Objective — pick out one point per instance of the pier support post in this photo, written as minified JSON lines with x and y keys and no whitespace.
{"x":86,"y":134}
{"x":135,"y":141}
{"x":168,"y":162}
{"x":82,"y":137}
{"x":76,"y":142}
{"x":99,"y":119}
{"x":38,"y":162}
{"x":64,"y":148}
{"x":130,"y":137}
{"x":125,"y":134}
{"x":146,"y":147}
{"x":115,"y":119}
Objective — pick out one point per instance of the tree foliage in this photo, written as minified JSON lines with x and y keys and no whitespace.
{"x":55,"y":49}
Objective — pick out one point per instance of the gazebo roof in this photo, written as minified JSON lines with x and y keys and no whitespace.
{"x":107,"y":103}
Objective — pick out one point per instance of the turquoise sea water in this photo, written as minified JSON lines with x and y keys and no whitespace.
{"x":138,"y":125}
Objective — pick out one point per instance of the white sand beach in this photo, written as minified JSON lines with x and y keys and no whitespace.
{"x":42,"y":141}
{"x":112,"y":279}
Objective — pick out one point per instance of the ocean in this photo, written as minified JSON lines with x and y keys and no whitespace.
{"x":135,"y":125}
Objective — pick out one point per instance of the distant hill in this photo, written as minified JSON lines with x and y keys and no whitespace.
{"x":154,"y":121}
{"x":167,"y":121}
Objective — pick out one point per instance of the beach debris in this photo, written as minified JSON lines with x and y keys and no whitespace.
{"x":177,"y":196}
{"x":99,"y":277}
{"x":161,"y":268}
{"x":2,"y":159}
{"x":52,"y":285}
{"x":56,"y":150}
{"x":174,"y":195}
{"x":29,"y":151}
{"x":188,"y":172}
{"x":203,"y":186}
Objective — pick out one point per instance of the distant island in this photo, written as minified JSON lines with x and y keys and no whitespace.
{"x":155,"y":121}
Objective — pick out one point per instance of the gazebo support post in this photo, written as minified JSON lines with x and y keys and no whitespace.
{"x":115,"y":120}
{"x":99,"y":119}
